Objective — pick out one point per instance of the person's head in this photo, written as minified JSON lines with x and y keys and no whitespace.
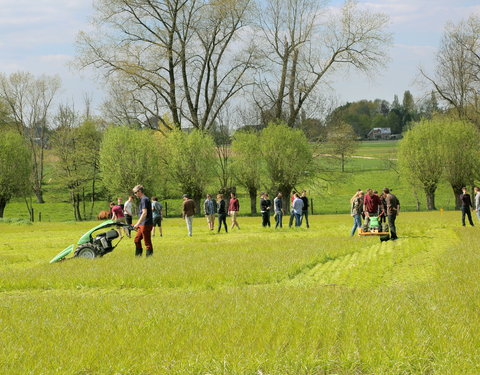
{"x":155,"y":199}
{"x":296,"y":195}
{"x":209,"y":196}
{"x":476,"y":189}
{"x":360,"y":193}
{"x":294,"y":192}
{"x":232,"y":195}
{"x":138,"y":191}
{"x":119,"y":200}
{"x":265,"y":195}
{"x":219,"y":197}
{"x":464,"y":189}
{"x":370,"y":192}
{"x":279,"y":195}
{"x":130,"y":197}
{"x":262,"y":195}
{"x":375,"y":192}
{"x":112,"y":204}
{"x":304,"y":193}
{"x":185,"y":197}
{"x":386,"y":191}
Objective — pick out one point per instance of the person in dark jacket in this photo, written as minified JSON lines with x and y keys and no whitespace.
{"x":393,"y":209}
{"x":278,"y":207}
{"x":144,"y":224}
{"x":466,"y":206}
{"x":265,"y":205}
{"x":222,"y":212}
{"x":304,"y":198}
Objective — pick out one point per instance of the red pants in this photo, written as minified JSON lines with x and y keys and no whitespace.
{"x":144,"y":232}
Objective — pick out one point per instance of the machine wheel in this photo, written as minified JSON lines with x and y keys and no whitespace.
{"x":86,"y":251}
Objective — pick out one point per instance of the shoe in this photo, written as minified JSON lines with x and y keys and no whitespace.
{"x":138,"y":252}
{"x":149,"y":253}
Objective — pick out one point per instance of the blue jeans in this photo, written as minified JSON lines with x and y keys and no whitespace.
{"x":357,"y":223}
{"x":298,"y":219}
{"x":278,"y":219}
{"x":478,"y":214}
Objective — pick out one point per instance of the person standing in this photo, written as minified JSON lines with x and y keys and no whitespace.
{"x":118,"y":216}
{"x":278,"y":207}
{"x":209,"y":209}
{"x":466,"y":206}
{"x":356,"y":209}
{"x":233,"y":208}
{"x":292,"y":214}
{"x":128,"y":210}
{"x":144,"y":224}
{"x":188,"y":211}
{"x":265,"y":206}
{"x":393,"y":208}
{"x":157,"y":210}
{"x":297,"y":210}
{"x":477,"y":201}
{"x":222,"y":212}
{"x":304,"y":198}
{"x":371,"y":203}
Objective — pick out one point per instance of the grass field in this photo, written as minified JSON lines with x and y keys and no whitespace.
{"x":254,"y":301}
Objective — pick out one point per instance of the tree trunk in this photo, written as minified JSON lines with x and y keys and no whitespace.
{"x":457,"y":191}
{"x":343,"y":162}
{"x":3,"y":203}
{"x":39,"y":194}
{"x":252,"y":192}
{"x":430,"y":195}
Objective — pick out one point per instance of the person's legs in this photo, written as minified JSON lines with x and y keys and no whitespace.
{"x":478,"y":214}
{"x":224,"y":218}
{"x":292,"y":217}
{"x":391,"y":224}
{"x":138,"y":241}
{"x":268,"y":219}
{"x":463,"y":216}
{"x":128,"y":219}
{"x":305,"y":214}
{"x":298,"y":220}
{"x":280,"y":219}
{"x":264,"y":219}
{"x":147,"y":237}
{"x":160,"y":228}
{"x":469,"y":214}
{"x":357,"y":223}
{"x":189,"y":221}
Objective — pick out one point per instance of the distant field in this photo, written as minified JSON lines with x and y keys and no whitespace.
{"x":254,"y":301}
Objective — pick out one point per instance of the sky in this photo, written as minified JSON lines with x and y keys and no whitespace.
{"x":38,"y":36}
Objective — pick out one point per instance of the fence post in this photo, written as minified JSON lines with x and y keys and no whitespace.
{"x":166,"y":209}
{"x":40,"y":216}
{"x":311,"y":205}
{"x":32,"y":216}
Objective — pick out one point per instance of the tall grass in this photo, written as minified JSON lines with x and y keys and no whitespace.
{"x":254,"y":301}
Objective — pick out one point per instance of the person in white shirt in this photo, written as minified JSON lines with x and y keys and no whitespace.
{"x":128,"y":210}
{"x":477,"y":201}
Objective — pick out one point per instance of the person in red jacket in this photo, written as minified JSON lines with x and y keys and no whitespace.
{"x":233,"y":208}
{"x":371,"y":203}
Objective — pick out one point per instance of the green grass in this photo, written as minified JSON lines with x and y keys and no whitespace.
{"x":254,"y":301}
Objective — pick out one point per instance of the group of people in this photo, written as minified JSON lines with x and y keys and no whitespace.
{"x":385,"y":206}
{"x":467,"y":205}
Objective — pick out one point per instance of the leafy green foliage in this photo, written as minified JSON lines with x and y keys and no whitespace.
{"x":189,"y":160}
{"x":15,"y":167}
{"x":128,"y":157}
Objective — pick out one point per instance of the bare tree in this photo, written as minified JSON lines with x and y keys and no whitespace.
{"x":302,"y":45}
{"x":29,"y":100}
{"x":457,"y":74}
{"x":184,"y":58}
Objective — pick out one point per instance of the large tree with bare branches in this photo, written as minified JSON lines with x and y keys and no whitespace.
{"x":29,"y":100}
{"x":457,"y":74}
{"x":178,"y":61}
{"x":303,"y":43}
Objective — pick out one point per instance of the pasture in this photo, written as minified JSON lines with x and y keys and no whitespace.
{"x":253,"y":301}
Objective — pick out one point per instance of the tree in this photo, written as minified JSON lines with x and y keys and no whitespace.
{"x":29,"y":100}
{"x":421,"y":159}
{"x":187,"y":58}
{"x":188,"y":159}
{"x":300,"y":50}
{"x":15,"y":167}
{"x":128,"y":157}
{"x":461,"y":154}
{"x":288,"y":157}
{"x":341,"y":142}
{"x":456,"y":78}
{"x":247,"y":165}
{"x":77,"y":146}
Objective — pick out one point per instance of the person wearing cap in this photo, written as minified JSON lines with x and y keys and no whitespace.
{"x":144,"y":224}
{"x":188,"y":211}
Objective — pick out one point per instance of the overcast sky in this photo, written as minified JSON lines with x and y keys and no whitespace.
{"x":38,"y":36}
